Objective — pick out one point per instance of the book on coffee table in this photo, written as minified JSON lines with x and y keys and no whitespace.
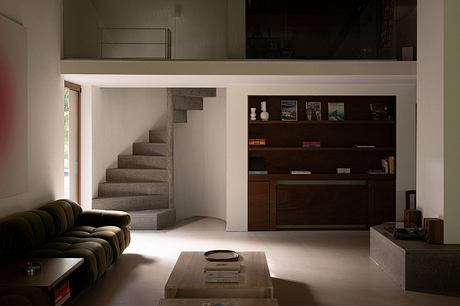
{"x":222,"y":276}
{"x":223,"y":266}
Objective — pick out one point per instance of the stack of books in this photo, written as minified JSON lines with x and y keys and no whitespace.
{"x":257,"y":141}
{"x":62,"y":293}
{"x":311,"y":144}
{"x":388,"y":165}
{"x":222,"y":272}
{"x":298,"y":172}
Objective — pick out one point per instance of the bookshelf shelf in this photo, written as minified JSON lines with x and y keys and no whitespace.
{"x":322,"y":122}
{"x":323,"y":198}
{"x":299,"y":149}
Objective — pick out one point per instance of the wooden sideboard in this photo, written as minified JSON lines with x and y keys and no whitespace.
{"x":277,"y":201}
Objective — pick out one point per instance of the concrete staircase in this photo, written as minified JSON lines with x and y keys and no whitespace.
{"x":143,"y":182}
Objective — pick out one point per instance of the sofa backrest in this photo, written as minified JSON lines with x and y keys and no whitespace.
{"x":22,"y":232}
{"x":64,"y":212}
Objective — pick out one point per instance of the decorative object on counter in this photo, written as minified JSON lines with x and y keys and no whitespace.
{"x":434,"y":230}
{"x":221,"y":255}
{"x":336,"y":111}
{"x":289,"y":110}
{"x":311,"y":144}
{"x":253,"y":114}
{"x":412,"y":216}
{"x":32,"y":268}
{"x":379,"y":111}
{"x":343,"y":170}
{"x":313,"y":110}
{"x":264,"y":115}
{"x":408,"y":233}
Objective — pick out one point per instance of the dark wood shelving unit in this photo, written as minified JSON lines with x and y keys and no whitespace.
{"x":326,"y":122}
{"x":261,"y":148}
{"x":323,"y":199}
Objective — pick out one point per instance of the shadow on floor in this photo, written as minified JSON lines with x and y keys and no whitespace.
{"x":289,"y":293}
{"x":113,"y":280}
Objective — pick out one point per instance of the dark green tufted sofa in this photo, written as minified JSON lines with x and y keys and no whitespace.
{"x":61,"y":229}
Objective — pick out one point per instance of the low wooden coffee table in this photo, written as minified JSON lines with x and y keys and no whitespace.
{"x":187,"y":280}
{"x":200,"y":302}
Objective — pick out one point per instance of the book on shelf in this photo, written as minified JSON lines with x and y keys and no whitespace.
{"x":223,"y":266}
{"x":378,"y":171}
{"x":313,"y":110}
{"x":257,"y":141}
{"x":298,"y":172}
{"x":343,"y":170}
{"x":391,"y":164}
{"x":311,"y":144}
{"x":356,"y":146}
{"x":222,"y":276}
{"x":62,"y":293}
{"x":388,"y":165}
{"x":258,"y":171}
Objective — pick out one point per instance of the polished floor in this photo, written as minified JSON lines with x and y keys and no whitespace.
{"x":316,"y":268}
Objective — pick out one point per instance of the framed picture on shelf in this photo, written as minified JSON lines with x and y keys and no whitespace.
{"x":336,"y":111}
{"x":379,"y":111}
{"x":313,"y":111}
{"x":289,"y":110}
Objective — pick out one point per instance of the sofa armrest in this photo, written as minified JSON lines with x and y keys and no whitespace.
{"x":98,"y":218}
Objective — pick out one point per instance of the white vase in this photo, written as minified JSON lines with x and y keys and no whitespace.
{"x":264,"y":114}
{"x":253,"y":113}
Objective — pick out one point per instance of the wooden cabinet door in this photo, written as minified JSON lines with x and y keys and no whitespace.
{"x":259,"y":206}
{"x":382,"y":201}
{"x":321,"y":205}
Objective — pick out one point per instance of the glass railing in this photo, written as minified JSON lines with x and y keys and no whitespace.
{"x":240,"y":29}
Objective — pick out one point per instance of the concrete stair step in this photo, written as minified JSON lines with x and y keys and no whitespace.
{"x":158,"y":136}
{"x":149,"y":148}
{"x":153,"y":219}
{"x":180,"y":116}
{"x":194,"y":92}
{"x":187,"y":103}
{"x":118,"y":175}
{"x":132,"y":189}
{"x":129,"y":203}
{"x":142,"y":162}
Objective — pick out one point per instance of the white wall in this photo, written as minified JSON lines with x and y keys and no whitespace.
{"x":199,"y":161}
{"x":451,"y":122}
{"x":430,"y":108}
{"x":236,"y":112}
{"x":198,"y":27}
{"x":119,"y":118}
{"x":45,"y":93}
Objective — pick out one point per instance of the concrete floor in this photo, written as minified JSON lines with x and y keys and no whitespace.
{"x":308,"y":267}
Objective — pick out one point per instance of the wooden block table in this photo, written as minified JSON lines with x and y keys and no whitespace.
{"x":187,"y":280}
{"x":235,"y":302}
{"x":53,"y":272}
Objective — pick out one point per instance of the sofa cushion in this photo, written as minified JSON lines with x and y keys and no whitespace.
{"x":97,"y":217}
{"x":22,"y":232}
{"x":64,"y":212}
{"x":118,"y":238}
